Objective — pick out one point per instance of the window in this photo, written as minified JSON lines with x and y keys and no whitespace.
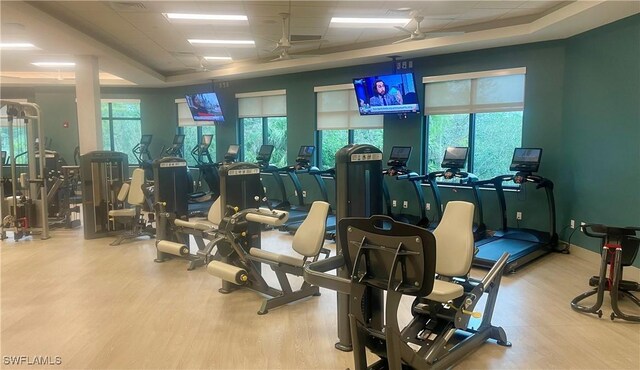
{"x":481,"y":110}
{"x":340,"y":123}
{"x":20,"y":143}
{"x":121,"y":125}
{"x":193,"y":132}
{"x":263,"y":121}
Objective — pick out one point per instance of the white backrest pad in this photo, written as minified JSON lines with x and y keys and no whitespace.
{"x":215,"y":213}
{"x":124,"y":191}
{"x":136,"y":196}
{"x":309,"y":237}
{"x":454,"y":239}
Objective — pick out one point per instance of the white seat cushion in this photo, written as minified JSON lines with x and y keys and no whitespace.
{"x":127,"y":212}
{"x":444,"y":291}
{"x":198,"y":225}
{"x":276,"y":257}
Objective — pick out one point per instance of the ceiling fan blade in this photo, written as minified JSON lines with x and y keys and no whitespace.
{"x":403,"y":29}
{"x":403,"y":40}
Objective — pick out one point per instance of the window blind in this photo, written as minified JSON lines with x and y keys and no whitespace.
{"x":477,"y":92}
{"x":271,"y":103}
{"x":337,"y":109}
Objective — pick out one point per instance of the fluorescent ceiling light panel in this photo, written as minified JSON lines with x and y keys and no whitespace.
{"x":16,"y":45}
{"x":54,"y":64}
{"x":206,"y":17}
{"x":217,"y":58}
{"x":400,"y":21}
{"x":221,"y":42}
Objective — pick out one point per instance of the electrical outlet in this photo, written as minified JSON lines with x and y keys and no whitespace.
{"x":394,"y":203}
{"x":428,"y":206}
{"x":304,"y":193}
{"x":518,"y":216}
{"x":582,"y":224}
{"x":405,"y":204}
{"x":573,"y":224}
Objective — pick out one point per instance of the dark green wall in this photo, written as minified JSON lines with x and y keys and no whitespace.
{"x":601,"y":127}
{"x":582,"y":100}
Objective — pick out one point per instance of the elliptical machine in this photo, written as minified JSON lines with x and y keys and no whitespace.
{"x":143,"y":156}
{"x":175,"y":149}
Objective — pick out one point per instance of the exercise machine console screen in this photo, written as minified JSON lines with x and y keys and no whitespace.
{"x":526,"y":159}
{"x":455,"y":157}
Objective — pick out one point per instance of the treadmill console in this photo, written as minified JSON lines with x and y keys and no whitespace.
{"x":455,"y":157}
{"x":526,"y":160}
{"x":264,"y":155}
{"x":399,"y":156}
{"x":304,"y":156}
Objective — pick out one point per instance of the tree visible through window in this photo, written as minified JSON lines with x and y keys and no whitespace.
{"x":257,"y":131}
{"x":481,"y":110}
{"x":330,"y":141}
{"x":121,"y":126}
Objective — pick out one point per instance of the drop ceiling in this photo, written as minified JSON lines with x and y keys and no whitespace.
{"x":136,"y":44}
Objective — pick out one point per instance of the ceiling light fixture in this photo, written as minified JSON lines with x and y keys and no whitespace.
{"x":217,"y":58}
{"x":206,"y":17}
{"x":222,"y":42}
{"x":16,"y":45}
{"x":370,"y":20}
{"x":54,"y":64}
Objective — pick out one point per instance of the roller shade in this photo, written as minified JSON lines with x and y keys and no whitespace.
{"x":337,"y":109}
{"x":490,"y":91}
{"x":271,"y":103}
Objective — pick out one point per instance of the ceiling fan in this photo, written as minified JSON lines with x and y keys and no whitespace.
{"x":418,"y":34}
{"x":285,"y":43}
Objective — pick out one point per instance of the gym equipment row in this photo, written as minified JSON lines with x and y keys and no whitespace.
{"x":523,"y":245}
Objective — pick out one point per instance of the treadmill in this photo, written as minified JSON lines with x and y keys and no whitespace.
{"x":523,"y":245}
{"x":263,"y":159}
{"x":455,"y":159}
{"x":303,"y":165}
{"x":398,"y":168}
{"x":330,"y":223}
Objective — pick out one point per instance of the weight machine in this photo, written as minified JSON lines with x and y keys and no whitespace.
{"x":25,"y":214}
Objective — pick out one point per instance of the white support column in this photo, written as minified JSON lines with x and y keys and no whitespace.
{"x":88,"y":103}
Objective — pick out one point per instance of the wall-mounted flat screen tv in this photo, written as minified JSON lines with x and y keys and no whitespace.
{"x":385,"y":94}
{"x":205,"y":107}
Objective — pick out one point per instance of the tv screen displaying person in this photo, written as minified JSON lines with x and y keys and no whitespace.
{"x":205,"y":107}
{"x":382,"y":95}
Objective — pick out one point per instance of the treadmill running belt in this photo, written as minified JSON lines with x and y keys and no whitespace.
{"x":520,"y":252}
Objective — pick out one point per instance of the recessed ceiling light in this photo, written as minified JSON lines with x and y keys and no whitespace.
{"x":54,"y":64}
{"x":217,"y":58}
{"x":222,"y":42}
{"x":370,"y":20}
{"x":16,"y":45}
{"x":207,"y":17}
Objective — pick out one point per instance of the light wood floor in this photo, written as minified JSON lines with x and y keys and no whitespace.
{"x":99,"y":306}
